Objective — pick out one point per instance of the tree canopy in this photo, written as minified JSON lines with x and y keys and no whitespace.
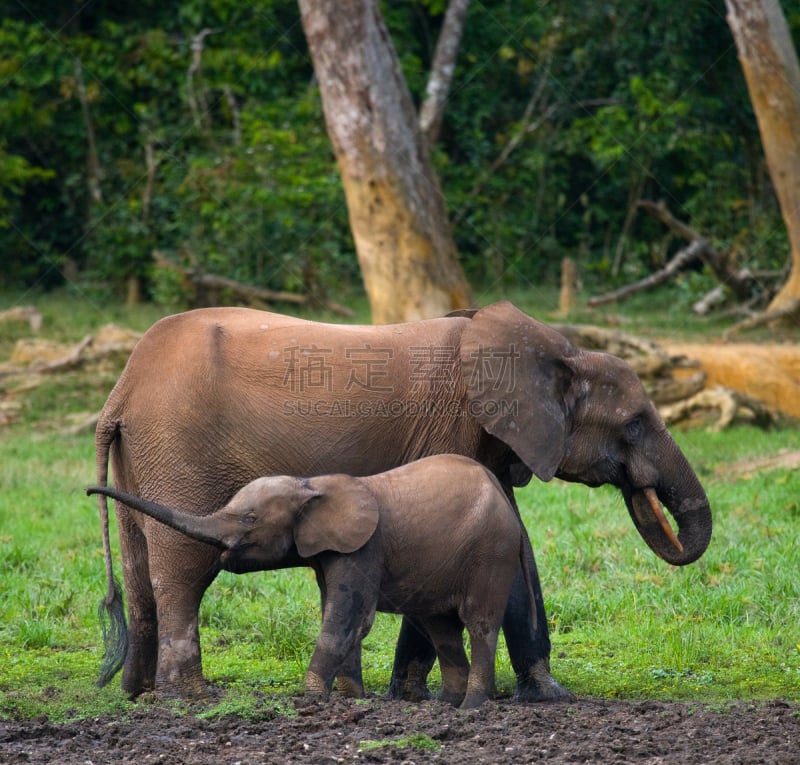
{"x":195,"y":128}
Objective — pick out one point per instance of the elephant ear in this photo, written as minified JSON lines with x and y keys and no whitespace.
{"x":517,"y":372}
{"x":341,"y":516}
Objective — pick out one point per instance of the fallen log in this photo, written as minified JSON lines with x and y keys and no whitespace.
{"x":730,"y":405}
{"x":23,"y":313}
{"x":246,"y":293}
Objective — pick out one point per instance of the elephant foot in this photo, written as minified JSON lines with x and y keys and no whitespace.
{"x":315,"y":688}
{"x":473,"y":700}
{"x":539,"y":685}
{"x":451,"y":697}
{"x":412,"y":686}
{"x":349,"y":687}
{"x":190,"y":691}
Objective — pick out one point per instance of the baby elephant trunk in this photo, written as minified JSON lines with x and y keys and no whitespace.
{"x":198,"y":527}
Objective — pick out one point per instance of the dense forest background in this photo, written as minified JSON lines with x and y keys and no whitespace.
{"x":194,"y":128}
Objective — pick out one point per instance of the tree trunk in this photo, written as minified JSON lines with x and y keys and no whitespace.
{"x":395,"y":205}
{"x":444,"y":64}
{"x":770,"y":66}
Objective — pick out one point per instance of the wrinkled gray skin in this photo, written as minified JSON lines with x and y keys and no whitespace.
{"x":211,"y":399}
{"x":375,"y":544}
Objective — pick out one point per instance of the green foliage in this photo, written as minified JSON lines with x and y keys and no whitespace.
{"x":559,"y":118}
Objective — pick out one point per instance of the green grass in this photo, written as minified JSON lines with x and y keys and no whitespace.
{"x":623,"y":623}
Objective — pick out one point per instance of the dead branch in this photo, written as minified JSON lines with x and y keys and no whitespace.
{"x":90,"y":350}
{"x":94,"y":170}
{"x":730,"y":404}
{"x":647,"y":359}
{"x":684,"y":256}
{"x":196,"y":97}
{"x":668,"y":390}
{"x":679,"y":398}
{"x":244,"y":292}
{"x":739,"y":281}
{"x":713,"y":298}
{"x":23,"y":313}
{"x":765,"y":317}
{"x":527,"y":125}
{"x":236,"y":115}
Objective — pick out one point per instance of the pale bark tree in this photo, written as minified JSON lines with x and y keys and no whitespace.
{"x":431,"y":112}
{"x":395,"y":205}
{"x":770,"y":66}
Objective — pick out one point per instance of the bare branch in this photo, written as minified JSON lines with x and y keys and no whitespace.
{"x":442,"y":69}
{"x":686,"y":255}
{"x":789,"y":310}
{"x":196,"y":99}
{"x":739,"y":280}
{"x":236,"y":116}
{"x":527,"y":124}
{"x":93,"y":167}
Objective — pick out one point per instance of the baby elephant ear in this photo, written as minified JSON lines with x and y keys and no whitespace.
{"x":517,"y":372}
{"x":341,"y":516}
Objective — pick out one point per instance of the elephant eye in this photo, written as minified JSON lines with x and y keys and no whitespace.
{"x":634,"y":429}
{"x":249,"y":519}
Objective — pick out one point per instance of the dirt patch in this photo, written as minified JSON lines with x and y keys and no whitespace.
{"x":785,"y":459}
{"x":768,"y":372}
{"x":375,"y":731}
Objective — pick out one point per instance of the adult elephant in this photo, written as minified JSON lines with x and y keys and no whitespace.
{"x":210,"y":399}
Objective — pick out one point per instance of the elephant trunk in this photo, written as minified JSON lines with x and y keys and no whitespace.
{"x":197,"y":527}
{"x":682,"y":494}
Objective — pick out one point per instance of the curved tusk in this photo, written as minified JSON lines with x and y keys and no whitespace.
{"x":655,"y":506}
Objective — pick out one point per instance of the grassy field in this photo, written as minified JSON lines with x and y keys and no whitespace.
{"x":623,"y":623}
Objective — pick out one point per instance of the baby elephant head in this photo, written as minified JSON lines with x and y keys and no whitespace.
{"x":273,"y":520}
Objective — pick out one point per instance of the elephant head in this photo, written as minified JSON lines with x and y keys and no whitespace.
{"x":582,"y":416}
{"x":270,"y":517}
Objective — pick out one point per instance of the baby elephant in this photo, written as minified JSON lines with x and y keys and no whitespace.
{"x":435,"y":540}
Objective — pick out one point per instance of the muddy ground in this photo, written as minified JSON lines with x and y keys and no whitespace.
{"x":376,"y":731}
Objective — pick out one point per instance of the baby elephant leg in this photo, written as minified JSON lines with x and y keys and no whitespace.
{"x":347,"y":616}
{"x":349,"y":678}
{"x":481,"y":682}
{"x":446,"y":634}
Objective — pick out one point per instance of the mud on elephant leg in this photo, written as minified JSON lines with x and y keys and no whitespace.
{"x":349,"y":678}
{"x":414,"y":658}
{"x":348,"y":615}
{"x":481,"y":682}
{"x":446,"y":634}
{"x":179,"y":672}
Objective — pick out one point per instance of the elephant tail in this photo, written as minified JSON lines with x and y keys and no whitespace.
{"x":526,"y":575}
{"x":111,"y":610}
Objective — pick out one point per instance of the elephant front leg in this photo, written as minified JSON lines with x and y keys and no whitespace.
{"x":528,"y":640}
{"x":348,"y":613}
{"x":349,"y":678}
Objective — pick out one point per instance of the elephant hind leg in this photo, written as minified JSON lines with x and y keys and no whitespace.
{"x":481,"y":682}
{"x":447,"y":634}
{"x":178,"y":594}
{"x":414,"y":658}
{"x":139,"y":672}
